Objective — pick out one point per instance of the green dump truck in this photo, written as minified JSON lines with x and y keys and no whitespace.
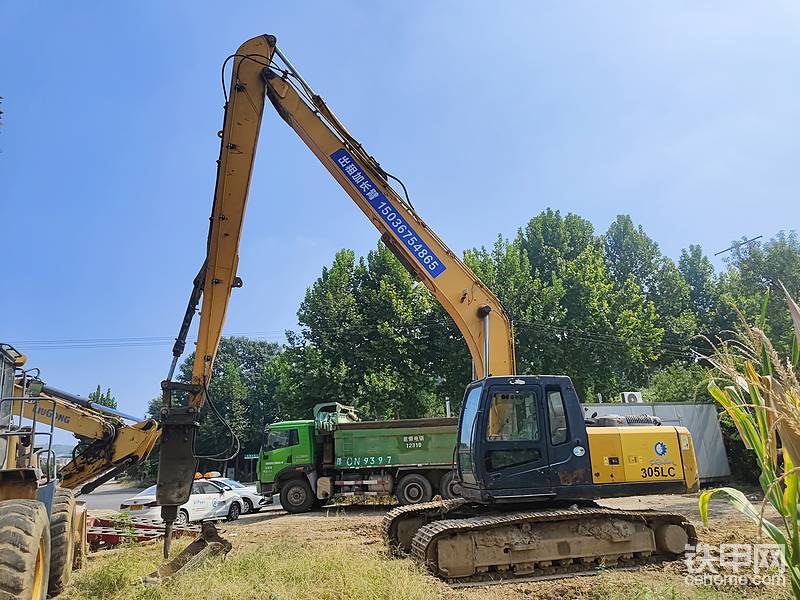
{"x":336,"y":454}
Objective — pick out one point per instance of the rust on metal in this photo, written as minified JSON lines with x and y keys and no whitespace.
{"x":574,"y":477}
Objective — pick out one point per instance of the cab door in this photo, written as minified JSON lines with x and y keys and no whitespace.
{"x":278,"y":452}
{"x":200,"y":501}
{"x":196,"y":506}
{"x":466,"y":435}
{"x":568,"y":450}
{"x":514,"y":460}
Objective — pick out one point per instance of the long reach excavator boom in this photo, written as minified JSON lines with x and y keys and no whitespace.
{"x":260,"y":71}
{"x":522,"y":439}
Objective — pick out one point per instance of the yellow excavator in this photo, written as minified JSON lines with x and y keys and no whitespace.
{"x":43,"y":533}
{"x":529,"y":464}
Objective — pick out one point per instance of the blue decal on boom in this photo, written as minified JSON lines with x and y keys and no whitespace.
{"x":401,"y":228}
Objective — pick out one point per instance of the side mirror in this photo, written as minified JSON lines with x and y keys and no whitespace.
{"x":221,"y":492}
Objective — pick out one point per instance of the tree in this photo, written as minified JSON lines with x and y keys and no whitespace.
{"x":754,"y":270}
{"x":243,"y":392}
{"x":529,"y":302}
{"x":631,"y":253}
{"x":570,"y":314}
{"x":365,"y":339}
{"x":98,"y":397}
{"x":323,"y":357}
{"x":698,"y":272}
{"x":679,"y":383}
{"x":105,"y":399}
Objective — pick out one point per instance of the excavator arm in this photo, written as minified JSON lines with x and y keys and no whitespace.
{"x":475,"y":310}
{"x":114,"y":445}
{"x":259,"y":71}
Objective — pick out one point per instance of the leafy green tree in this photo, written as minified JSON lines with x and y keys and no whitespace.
{"x":698,"y":272}
{"x":631,"y":253}
{"x":531,"y":304}
{"x":364,"y":340}
{"x":679,"y":383}
{"x":105,"y":399}
{"x":569,"y":313}
{"x":755,"y":269}
{"x":242,"y":390}
{"x":550,"y":239}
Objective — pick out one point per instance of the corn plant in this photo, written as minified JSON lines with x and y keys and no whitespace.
{"x":760,"y":392}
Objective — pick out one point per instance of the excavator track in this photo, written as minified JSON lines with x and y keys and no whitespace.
{"x":533,"y":545}
{"x":402,"y":523}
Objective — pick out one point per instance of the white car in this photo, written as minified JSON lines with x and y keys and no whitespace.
{"x":252,"y":500}
{"x":209,"y":500}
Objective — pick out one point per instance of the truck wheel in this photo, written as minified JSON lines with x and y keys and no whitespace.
{"x":62,"y":546}
{"x":296,"y":496}
{"x":447,"y":485}
{"x":24,"y":549}
{"x":413,"y":489}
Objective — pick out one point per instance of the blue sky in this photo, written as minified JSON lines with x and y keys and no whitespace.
{"x":682,"y":114}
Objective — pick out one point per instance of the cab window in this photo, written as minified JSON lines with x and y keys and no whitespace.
{"x":557,"y":414}
{"x":203,"y":487}
{"x":468,"y":414}
{"x":281,"y":438}
{"x":513,"y":417}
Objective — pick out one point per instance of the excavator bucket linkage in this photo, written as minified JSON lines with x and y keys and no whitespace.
{"x":208,"y":545}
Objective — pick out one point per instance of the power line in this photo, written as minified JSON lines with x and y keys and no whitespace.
{"x":570,"y":333}
{"x":126,"y":342}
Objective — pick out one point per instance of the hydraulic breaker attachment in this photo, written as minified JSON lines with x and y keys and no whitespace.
{"x":177,"y":463}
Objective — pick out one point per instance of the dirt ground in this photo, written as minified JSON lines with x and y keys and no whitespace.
{"x":360,"y":526}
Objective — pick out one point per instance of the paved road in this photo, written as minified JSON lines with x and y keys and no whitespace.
{"x":109,"y":496}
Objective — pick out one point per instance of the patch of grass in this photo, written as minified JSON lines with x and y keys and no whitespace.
{"x":279,"y":570}
{"x":645,"y":584}
{"x":610,"y":588}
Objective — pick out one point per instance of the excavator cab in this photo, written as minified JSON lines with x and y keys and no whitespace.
{"x":521,"y":439}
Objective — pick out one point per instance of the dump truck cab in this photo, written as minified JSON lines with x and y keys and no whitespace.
{"x":525,"y":439}
{"x":288,"y":451}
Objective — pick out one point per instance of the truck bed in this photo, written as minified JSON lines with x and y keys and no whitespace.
{"x":407,"y":442}
{"x":400,"y":424}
